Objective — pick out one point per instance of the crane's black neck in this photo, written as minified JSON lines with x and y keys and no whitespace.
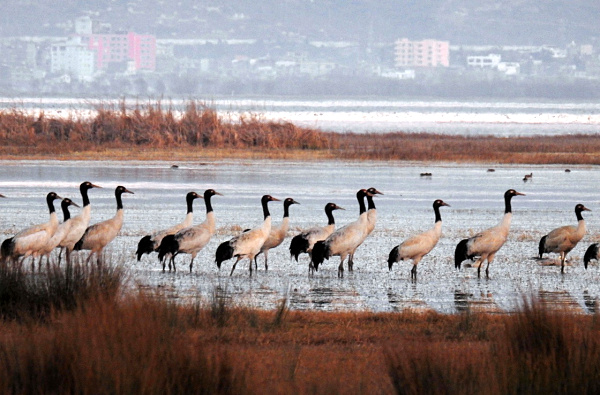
{"x":286,"y":209}
{"x":84,"y":195}
{"x":371,"y":202}
{"x":578,"y":214}
{"x":50,"y":202}
{"x":65,"y":210}
{"x":329,"y":213}
{"x":438,"y":216}
{"x":360,"y":196}
{"x":207,"y":202}
{"x":190,"y":203}
{"x":507,"y":206}
{"x":119,"y":201}
{"x":265,"y":207}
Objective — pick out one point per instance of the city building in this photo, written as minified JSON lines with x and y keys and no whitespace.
{"x":74,"y":58}
{"x":111,"y":49}
{"x":490,"y":61}
{"x":425,"y":53}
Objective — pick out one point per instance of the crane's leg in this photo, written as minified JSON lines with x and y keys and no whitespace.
{"x":236,"y":262}
{"x":562,"y":262}
{"x":413,"y":273}
{"x":479,"y":263}
{"x":250,"y":267}
{"x":341,"y":266}
{"x":172,"y":261}
{"x":266,"y":260}
{"x":192,"y":263}
{"x":490,"y":258}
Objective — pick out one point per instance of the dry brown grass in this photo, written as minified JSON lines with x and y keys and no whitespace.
{"x":153,"y":132}
{"x":144,"y":344}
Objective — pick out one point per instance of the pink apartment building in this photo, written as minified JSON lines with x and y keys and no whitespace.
{"x":138,"y":49}
{"x":425,"y":53}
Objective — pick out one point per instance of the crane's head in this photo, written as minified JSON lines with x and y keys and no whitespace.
{"x":440,"y":203}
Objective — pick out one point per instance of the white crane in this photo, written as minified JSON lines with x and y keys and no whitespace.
{"x":192,"y":239}
{"x":30,"y":241}
{"x":304,"y":242}
{"x":345,"y":240}
{"x":486,"y":244}
{"x":79,"y":223}
{"x":150,"y":243}
{"x":562,"y":240}
{"x":277,"y":233}
{"x":416,"y":247}
{"x":61,"y":231}
{"x":247,"y":244}
{"x":371,"y":221}
{"x":99,"y":235}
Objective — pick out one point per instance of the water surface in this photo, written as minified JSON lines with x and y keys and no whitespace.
{"x":476,"y":197}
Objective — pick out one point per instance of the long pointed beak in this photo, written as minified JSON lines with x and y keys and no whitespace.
{"x":96,"y":186}
{"x":519,"y":193}
{"x":74,"y":204}
{"x":586,"y":209}
{"x":217,"y":193}
{"x":446,"y":204}
{"x":128,"y":191}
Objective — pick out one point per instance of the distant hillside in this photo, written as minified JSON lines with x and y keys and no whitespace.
{"x":511,"y":22}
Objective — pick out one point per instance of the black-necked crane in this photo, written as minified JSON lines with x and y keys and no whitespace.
{"x":591,"y":254}
{"x":31,"y":240}
{"x":277,"y":234}
{"x":247,"y":244}
{"x":99,"y":235}
{"x":562,"y":240}
{"x":371,"y":221}
{"x":61,"y":231}
{"x":528,"y":177}
{"x":192,"y":239}
{"x":304,"y":242}
{"x":150,"y":243}
{"x":345,"y":240}
{"x":416,"y":247}
{"x":486,"y":244}
{"x":80,"y":222}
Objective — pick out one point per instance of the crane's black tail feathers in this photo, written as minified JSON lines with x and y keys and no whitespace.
{"x":591,"y":253}
{"x":145,"y":246}
{"x":224,"y":252}
{"x":542,"y":246}
{"x":168,"y":245}
{"x":394,"y":254}
{"x":298,"y":245}
{"x":320,"y":252}
{"x":78,"y":245}
{"x":461,"y":253}
{"x":7,"y":248}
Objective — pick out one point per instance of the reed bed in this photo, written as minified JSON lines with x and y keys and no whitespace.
{"x":152,"y":131}
{"x":108,"y":341}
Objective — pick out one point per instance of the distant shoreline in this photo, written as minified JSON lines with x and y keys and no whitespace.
{"x":154,"y":133}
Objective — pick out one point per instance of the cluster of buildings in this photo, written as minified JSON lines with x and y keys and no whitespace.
{"x":95,"y":56}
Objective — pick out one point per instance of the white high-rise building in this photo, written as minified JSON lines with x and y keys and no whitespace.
{"x":74,"y":58}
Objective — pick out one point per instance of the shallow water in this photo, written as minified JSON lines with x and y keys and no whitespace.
{"x":474,"y":194}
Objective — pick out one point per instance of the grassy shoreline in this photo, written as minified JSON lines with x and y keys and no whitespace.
{"x":152,"y":132}
{"x":74,"y":330}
